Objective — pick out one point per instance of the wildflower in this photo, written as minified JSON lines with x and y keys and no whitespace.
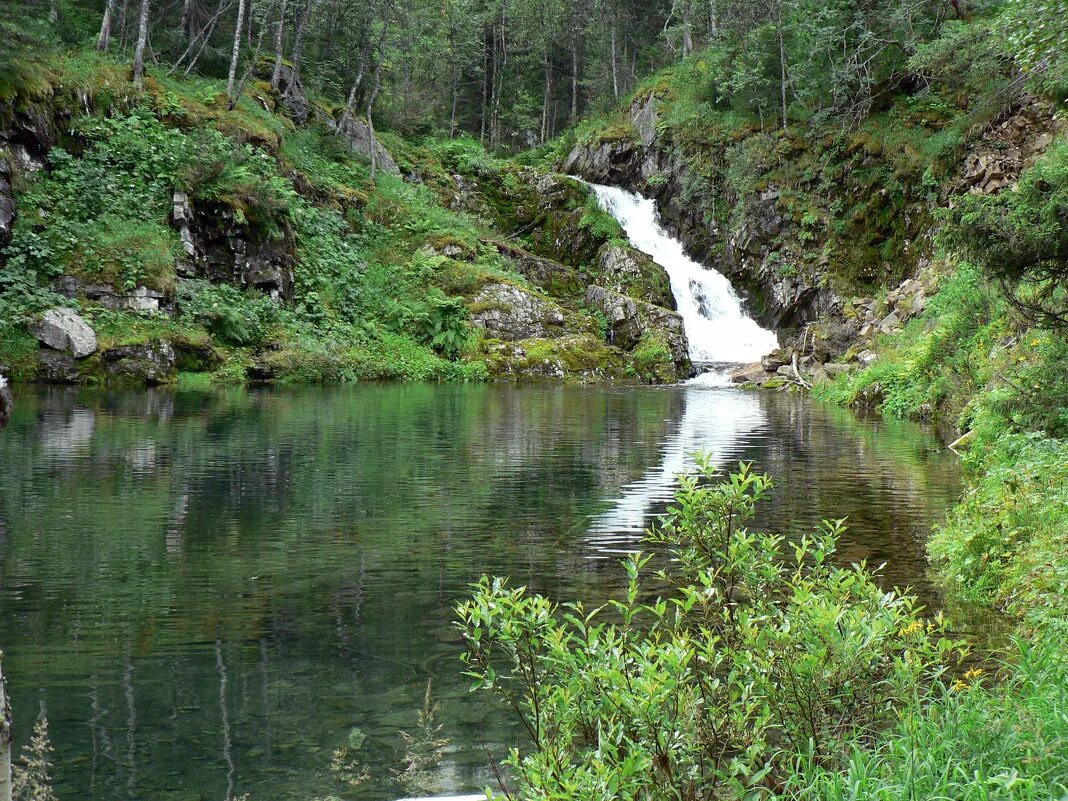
{"x":911,"y":628}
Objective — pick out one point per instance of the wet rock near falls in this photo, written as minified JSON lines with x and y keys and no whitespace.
{"x":510,"y":313}
{"x":628,"y":271}
{"x":630,"y":321}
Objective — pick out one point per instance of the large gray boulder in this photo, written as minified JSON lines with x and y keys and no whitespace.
{"x":630,"y":319}
{"x":510,"y":313}
{"x":630,"y":272}
{"x":64,"y":330}
{"x":359,"y":137}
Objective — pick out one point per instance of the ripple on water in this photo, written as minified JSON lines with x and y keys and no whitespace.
{"x":207,"y":592}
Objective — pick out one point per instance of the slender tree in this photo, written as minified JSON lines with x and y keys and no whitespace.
{"x":279,"y":34}
{"x":139,"y":49}
{"x":104,"y":39}
{"x":231,"y":77}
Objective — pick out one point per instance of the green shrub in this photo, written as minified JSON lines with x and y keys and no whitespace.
{"x":762,"y":649}
{"x":1004,"y":543}
{"x":233,"y":316}
{"x":1020,"y":238}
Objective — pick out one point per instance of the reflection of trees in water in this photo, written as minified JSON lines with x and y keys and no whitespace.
{"x":248,"y":574}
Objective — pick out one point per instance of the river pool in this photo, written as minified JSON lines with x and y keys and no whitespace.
{"x":206,"y":593}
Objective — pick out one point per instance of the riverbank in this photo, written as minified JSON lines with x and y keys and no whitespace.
{"x":162,"y":237}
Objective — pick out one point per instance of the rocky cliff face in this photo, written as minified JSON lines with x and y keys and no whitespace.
{"x":823,"y":326}
{"x":647,"y":164}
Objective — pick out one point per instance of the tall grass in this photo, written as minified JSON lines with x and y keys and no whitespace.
{"x":971,"y":743}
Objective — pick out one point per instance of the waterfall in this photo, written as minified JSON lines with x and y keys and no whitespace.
{"x":717,"y":328}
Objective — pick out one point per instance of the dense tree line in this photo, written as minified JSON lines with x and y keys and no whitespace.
{"x":517,"y":72}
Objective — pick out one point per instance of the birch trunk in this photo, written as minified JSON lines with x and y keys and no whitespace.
{"x":139,"y":50}
{"x":574,"y":80}
{"x":104,"y":39}
{"x":615,"y":68}
{"x":276,"y":75}
{"x":231,"y":77}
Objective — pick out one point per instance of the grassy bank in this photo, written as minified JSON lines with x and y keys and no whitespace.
{"x":377,"y":273}
{"x":987,"y":357}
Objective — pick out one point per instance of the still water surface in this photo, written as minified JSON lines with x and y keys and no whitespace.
{"x":207,"y":593}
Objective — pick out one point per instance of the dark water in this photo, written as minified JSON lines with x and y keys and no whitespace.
{"x":206,"y":593}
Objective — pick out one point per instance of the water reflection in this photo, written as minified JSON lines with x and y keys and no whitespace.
{"x":713,"y":421}
{"x":207,"y":593}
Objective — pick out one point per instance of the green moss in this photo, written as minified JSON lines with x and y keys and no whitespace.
{"x":652,"y":359}
{"x":18,"y":353}
{"x":576,"y":357}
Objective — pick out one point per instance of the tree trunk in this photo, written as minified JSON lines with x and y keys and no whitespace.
{"x":574,"y":79}
{"x":615,"y":67}
{"x":372,"y":140}
{"x":104,"y":39}
{"x":200,"y":39}
{"x":139,"y":50}
{"x":53,"y":11}
{"x":276,"y":75}
{"x":357,"y":84}
{"x":255,"y":57}
{"x":5,"y":736}
{"x":687,"y":30}
{"x":500,"y":61}
{"x":547,"y":95}
{"x":455,"y":102}
{"x":782,"y":61}
{"x":713,"y":19}
{"x":231,"y":77}
{"x":298,"y":44}
{"x":186,"y":23}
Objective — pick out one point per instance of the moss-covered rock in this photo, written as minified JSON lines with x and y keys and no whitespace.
{"x":628,"y":271}
{"x":575,"y":357}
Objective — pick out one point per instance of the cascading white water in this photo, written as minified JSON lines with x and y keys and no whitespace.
{"x":718,"y":329}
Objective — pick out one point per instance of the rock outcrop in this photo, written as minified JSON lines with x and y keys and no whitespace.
{"x":843,"y":342}
{"x":552,"y":276}
{"x":631,"y":321}
{"x":778,"y":294}
{"x":64,"y":330}
{"x":7,"y":203}
{"x":217,"y":247}
{"x":358,"y":136}
{"x":291,"y":95}
{"x":1009,"y":146}
{"x":630,"y":272}
{"x":510,"y":313}
{"x":148,"y":364}
{"x":139,"y":298}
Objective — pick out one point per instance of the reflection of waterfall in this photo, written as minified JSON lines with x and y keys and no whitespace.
{"x":718,"y":422}
{"x":717,"y":328}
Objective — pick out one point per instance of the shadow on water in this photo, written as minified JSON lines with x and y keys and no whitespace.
{"x":208,"y":592}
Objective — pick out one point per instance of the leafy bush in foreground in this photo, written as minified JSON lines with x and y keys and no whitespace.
{"x":761,"y":650}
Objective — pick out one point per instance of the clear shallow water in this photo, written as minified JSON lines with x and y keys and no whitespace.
{"x":207,"y":592}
